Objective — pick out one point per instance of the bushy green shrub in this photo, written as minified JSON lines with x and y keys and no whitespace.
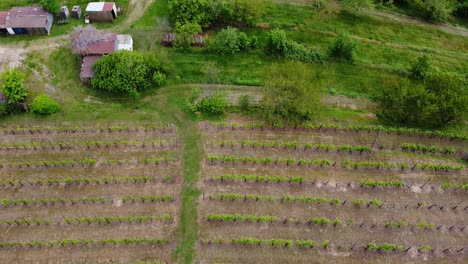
{"x":355,"y":7}
{"x":43,"y":104}
{"x":438,"y":10}
{"x":214,"y":105}
{"x":184,"y":34}
{"x":278,"y":44}
{"x":13,"y":85}
{"x":52,"y":6}
{"x":231,"y":41}
{"x":128,"y":72}
{"x":244,"y":103}
{"x":421,"y":68}
{"x":343,"y":49}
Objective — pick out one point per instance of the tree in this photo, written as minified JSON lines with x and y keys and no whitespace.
{"x":43,"y":104}
{"x":421,"y":68}
{"x":246,"y":12}
{"x":354,"y":7}
{"x":128,"y":72}
{"x":191,"y":11}
{"x":289,"y":96}
{"x":52,"y":6}
{"x":402,"y":102}
{"x":450,"y":92}
{"x":438,"y":10}
{"x":13,"y":85}
{"x":343,"y":49}
{"x":184,"y":34}
{"x":230,"y":41}
{"x":440,"y":99}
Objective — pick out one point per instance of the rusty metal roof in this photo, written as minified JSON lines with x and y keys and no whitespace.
{"x":87,"y":66}
{"x":3,"y":15}
{"x":102,"y":47}
{"x":26,"y":17}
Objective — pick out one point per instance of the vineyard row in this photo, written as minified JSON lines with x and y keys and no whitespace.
{"x":99,"y":129}
{"x":303,"y":179}
{"x":86,"y":144}
{"x":323,"y":222}
{"x":358,"y":203}
{"x":345,"y":128}
{"x":386,"y":247}
{"x":80,"y":242}
{"x":329,"y":163}
{"x":83,"y":200}
{"x":82,"y":181}
{"x":407,"y":147}
{"x":87,"y":162}
{"x":88,"y":220}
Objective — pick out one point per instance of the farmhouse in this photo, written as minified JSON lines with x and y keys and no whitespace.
{"x":102,"y":11}
{"x":32,"y":20}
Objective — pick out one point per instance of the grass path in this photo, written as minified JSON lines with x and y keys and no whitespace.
{"x":171,"y":101}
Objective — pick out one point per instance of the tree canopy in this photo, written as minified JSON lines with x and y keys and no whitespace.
{"x":128,"y":72}
{"x":289,"y":94}
{"x":438,"y":100}
{"x":52,"y":6}
{"x":13,"y":85}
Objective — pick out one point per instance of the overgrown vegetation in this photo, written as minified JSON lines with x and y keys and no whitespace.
{"x":128,"y":72}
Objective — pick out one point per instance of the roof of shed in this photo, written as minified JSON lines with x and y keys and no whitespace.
{"x":3,"y":15}
{"x":99,"y":6}
{"x":87,"y":66}
{"x":104,"y":46}
{"x":26,"y":17}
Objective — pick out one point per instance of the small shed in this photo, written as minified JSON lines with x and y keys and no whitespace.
{"x":124,"y":42}
{"x":76,"y":12}
{"x":102,"y":11}
{"x":87,"y":71}
{"x":32,"y":20}
{"x":3,"y":30}
{"x":169,"y":39}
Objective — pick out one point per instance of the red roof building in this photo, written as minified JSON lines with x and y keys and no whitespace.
{"x":87,"y":71}
{"x":28,"y":20}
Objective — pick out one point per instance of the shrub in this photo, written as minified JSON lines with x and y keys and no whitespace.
{"x":279,"y":45}
{"x":289,"y":94}
{"x":184,"y":34}
{"x":343,"y":49}
{"x":128,"y":72}
{"x":438,"y":10}
{"x":244,"y":103}
{"x":52,"y":6}
{"x":355,"y":7}
{"x":43,"y":104}
{"x":421,"y":68}
{"x":215,"y":104}
{"x":231,"y":41}
{"x":13,"y":85}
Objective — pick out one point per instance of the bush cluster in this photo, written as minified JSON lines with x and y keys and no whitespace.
{"x":231,"y":41}
{"x":44,"y":105}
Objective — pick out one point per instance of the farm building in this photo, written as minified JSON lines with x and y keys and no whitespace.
{"x":87,"y":71}
{"x":102,"y":11}
{"x":92,"y":44}
{"x":32,"y":20}
{"x":3,"y":30}
{"x":124,"y":42}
